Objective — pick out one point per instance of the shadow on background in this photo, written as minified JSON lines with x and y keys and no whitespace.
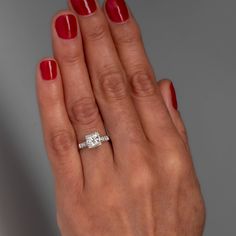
{"x":22,"y":212}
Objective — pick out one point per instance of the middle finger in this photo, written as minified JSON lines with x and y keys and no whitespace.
{"x":108,"y":77}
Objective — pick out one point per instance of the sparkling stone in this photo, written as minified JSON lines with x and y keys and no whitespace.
{"x":93,"y":140}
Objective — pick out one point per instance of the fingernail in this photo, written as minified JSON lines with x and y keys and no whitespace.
{"x":117,"y":10}
{"x":48,"y":69}
{"x":84,"y":7}
{"x":66,"y":26}
{"x":173,"y":95}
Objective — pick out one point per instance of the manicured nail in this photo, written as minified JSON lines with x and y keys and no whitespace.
{"x":117,"y":10}
{"x":84,"y":7}
{"x":48,"y":69}
{"x":173,"y":95}
{"x":66,"y":26}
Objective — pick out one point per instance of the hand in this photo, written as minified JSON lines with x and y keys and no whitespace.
{"x":142,"y":182}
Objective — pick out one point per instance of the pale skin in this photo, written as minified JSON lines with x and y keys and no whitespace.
{"x":143,"y":182}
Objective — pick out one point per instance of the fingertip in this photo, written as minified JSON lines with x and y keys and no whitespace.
{"x":169,"y":94}
{"x":84,"y":7}
{"x":48,"y":84}
{"x":173,"y":96}
{"x":47,"y":69}
{"x":117,"y":11}
{"x":61,"y":13}
{"x":65,"y":25}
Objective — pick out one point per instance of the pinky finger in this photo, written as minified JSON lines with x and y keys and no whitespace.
{"x":169,"y":96}
{"x":59,"y":136}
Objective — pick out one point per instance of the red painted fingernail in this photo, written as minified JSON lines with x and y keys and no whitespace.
{"x":84,"y":7}
{"x":66,"y":26}
{"x":173,"y":95}
{"x":117,"y":10}
{"x":48,"y":69}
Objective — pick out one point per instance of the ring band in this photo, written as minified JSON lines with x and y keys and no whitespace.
{"x":93,"y":140}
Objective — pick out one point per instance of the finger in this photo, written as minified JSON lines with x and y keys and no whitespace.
{"x":169,"y":95}
{"x":80,"y":102}
{"x":108,"y":79}
{"x":146,"y":96}
{"x":59,"y":136}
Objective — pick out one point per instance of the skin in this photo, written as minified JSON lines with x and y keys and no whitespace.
{"x":143,"y":182}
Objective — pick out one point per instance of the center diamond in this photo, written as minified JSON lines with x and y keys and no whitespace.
{"x":93,"y":140}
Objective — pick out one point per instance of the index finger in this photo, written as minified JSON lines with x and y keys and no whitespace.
{"x":59,"y":136}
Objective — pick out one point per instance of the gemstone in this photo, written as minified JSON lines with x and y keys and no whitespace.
{"x":93,"y":140}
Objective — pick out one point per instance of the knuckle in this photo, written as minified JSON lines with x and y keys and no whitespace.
{"x":61,"y":142}
{"x":97,"y":32}
{"x":129,"y":36}
{"x":85,"y":111}
{"x":142,"y":84}
{"x":112,"y":85}
{"x":71,"y":60}
{"x":143,"y":180}
{"x":71,"y":57}
{"x":175,"y":166}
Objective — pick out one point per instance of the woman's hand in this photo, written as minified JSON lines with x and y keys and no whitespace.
{"x":142,"y":182}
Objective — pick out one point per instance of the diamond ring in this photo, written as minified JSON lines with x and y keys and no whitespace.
{"x":93,"y":140}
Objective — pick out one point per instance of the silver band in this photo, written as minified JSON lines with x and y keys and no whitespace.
{"x":93,"y":140}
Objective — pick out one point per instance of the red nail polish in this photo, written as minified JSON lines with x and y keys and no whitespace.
{"x":48,"y":69}
{"x":84,"y":7}
{"x":66,"y":26}
{"x":117,"y":10}
{"x":173,"y":95}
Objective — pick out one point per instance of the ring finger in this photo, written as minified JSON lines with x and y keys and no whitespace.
{"x":81,"y":105}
